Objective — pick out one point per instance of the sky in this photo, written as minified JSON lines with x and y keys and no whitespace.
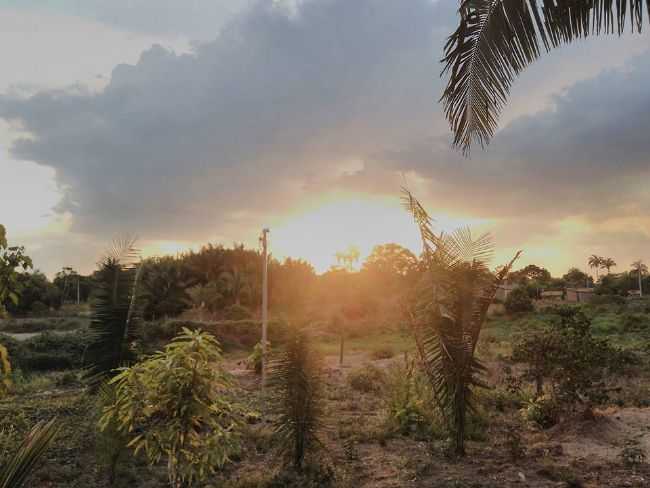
{"x":187,"y":121}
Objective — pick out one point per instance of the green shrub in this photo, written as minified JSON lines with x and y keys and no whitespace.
{"x":607,"y":299}
{"x":237,"y":312}
{"x":408,"y":402}
{"x":233,"y":334}
{"x":39,"y":308}
{"x":543,"y":411}
{"x":5,"y":372}
{"x":367,"y":379}
{"x":174,"y":405}
{"x":519,"y":301}
{"x":47,"y":351}
{"x":635,"y":322}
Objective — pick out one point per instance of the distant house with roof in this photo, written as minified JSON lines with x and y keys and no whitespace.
{"x":579,"y":295}
{"x":552,"y":295}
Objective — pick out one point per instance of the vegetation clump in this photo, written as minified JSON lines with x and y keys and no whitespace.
{"x":518,"y":301}
{"x":174,"y":406}
{"x":296,"y":386}
{"x":367,"y":379}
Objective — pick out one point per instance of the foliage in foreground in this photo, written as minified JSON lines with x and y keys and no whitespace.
{"x":296,"y":385}
{"x":16,"y":470}
{"x":174,"y":406}
{"x":452,"y":306}
{"x":114,"y":318}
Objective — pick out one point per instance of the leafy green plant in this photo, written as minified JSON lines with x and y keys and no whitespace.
{"x":409,"y":402}
{"x":567,"y":356}
{"x":11,"y":258}
{"x":519,"y":301}
{"x":15,"y":470}
{"x":543,"y":411}
{"x":5,"y":372}
{"x":367,"y":379}
{"x":114,"y":324}
{"x":447,"y":318}
{"x":111,"y":444}
{"x":296,"y":393}
{"x":255,"y":358}
{"x":174,"y":405}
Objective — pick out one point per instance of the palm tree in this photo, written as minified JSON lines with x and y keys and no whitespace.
{"x":115,"y":318}
{"x":235,"y":284}
{"x":595,"y":262}
{"x":296,"y":385}
{"x":457,"y":290}
{"x":497,"y":39}
{"x":15,"y":472}
{"x":608,"y":264}
{"x":639,"y":268}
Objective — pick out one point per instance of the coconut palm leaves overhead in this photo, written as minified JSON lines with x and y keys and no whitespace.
{"x":449,"y":313}
{"x":113,"y":327}
{"x":497,"y":39}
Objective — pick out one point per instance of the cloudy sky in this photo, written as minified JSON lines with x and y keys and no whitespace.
{"x":187,"y":121}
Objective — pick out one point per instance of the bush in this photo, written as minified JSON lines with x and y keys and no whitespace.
{"x":236,"y":312}
{"x":5,"y":372}
{"x":634,"y":322}
{"x":173,"y":405}
{"x":232,"y":334}
{"x":47,"y":351}
{"x":607,"y":299}
{"x":367,"y":379}
{"x":543,"y":411}
{"x":519,"y":301}
{"x":408,"y":402}
{"x":568,"y":357}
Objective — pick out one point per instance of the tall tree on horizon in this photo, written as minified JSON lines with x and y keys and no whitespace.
{"x":639,"y":268}
{"x":595,"y":262}
{"x":608,"y":264}
{"x":497,"y":39}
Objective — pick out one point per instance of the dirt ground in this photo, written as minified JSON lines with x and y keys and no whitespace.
{"x":578,"y":452}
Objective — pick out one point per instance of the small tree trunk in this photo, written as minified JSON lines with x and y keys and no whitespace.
{"x":341,"y":349}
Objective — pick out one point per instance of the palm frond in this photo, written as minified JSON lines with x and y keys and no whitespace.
{"x":296,"y":386}
{"x":115,"y":311}
{"x":449,"y":314}
{"x":15,"y":473}
{"x":497,"y":39}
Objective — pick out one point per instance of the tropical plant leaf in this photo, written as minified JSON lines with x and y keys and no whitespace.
{"x":296,"y":391}
{"x":115,"y":311}
{"x":15,"y":473}
{"x":450,"y":312}
{"x":497,"y":39}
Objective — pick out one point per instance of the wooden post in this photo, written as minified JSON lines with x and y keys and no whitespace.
{"x":265,"y":301}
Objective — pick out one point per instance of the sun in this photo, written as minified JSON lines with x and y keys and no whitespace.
{"x":336,"y":222}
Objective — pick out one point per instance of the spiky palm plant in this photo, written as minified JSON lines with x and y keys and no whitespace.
{"x":15,"y":472}
{"x":455,"y":294}
{"x":497,"y":39}
{"x":115,"y":318}
{"x":296,"y":391}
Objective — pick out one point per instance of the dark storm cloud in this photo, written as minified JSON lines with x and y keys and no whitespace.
{"x":587,"y":156}
{"x":193,"y":140}
{"x":179,"y":145}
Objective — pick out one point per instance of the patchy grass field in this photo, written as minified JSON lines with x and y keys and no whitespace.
{"x":363,"y":446}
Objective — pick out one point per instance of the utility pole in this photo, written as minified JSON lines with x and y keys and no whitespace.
{"x":78,"y":301}
{"x":265,"y":300}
